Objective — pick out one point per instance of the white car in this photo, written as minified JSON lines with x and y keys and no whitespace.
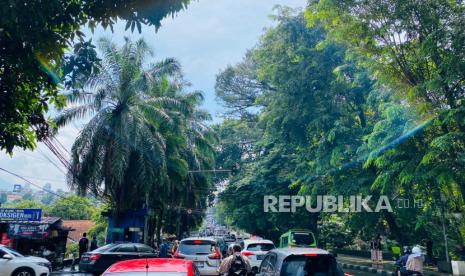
{"x":204,"y":252}
{"x":14,"y":264}
{"x":256,"y":249}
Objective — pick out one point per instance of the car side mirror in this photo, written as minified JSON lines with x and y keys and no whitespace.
{"x":7,"y":257}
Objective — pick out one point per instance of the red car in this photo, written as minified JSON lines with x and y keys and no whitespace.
{"x":153,"y":267}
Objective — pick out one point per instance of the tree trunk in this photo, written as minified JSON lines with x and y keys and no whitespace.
{"x":394,"y":227}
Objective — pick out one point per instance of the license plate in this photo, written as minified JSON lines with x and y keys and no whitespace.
{"x":199,"y":264}
{"x":260,"y":257}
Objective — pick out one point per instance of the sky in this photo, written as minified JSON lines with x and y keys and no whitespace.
{"x":206,"y":37}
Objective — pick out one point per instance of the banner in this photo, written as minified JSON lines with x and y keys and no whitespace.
{"x":37,"y":231}
{"x":11,"y":214}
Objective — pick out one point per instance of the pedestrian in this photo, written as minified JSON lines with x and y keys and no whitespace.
{"x":83,"y":245}
{"x":236,"y":264}
{"x":93,"y":243}
{"x":376,"y":253}
{"x":414,"y":264}
{"x":164,"y":249}
{"x":175,"y":247}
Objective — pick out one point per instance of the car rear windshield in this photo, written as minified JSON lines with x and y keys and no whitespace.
{"x":104,"y":248}
{"x":322,"y":265}
{"x":146,"y":274}
{"x":196,"y":247}
{"x":260,"y":247}
{"x":302,"y":238}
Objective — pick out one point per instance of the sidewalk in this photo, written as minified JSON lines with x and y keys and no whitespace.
{"x":386,"y":268}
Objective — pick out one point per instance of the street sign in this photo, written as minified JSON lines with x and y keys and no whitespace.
{"x":116,"y":230}
{"x":12,"y":214}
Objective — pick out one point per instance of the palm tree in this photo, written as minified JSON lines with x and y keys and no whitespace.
{"x":122,"y":150}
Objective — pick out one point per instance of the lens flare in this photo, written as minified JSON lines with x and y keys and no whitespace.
{"x":376,"y":152}
{"x":46,"y":68}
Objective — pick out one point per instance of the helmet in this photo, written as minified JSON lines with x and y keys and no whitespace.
{"x":416,"y":251}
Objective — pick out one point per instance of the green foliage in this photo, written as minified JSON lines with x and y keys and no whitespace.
{"x":364,"y":100}
{"x":145,"y":134}
{"x":32,"y":204}
{"x":331,"y":238}
{"x":34,"y":36}
{"x":72,"y":208}
{"x":72,"y":248}
{"x":101,"y":224}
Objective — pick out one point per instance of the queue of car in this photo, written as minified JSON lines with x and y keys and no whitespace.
{"x":194,"y":256}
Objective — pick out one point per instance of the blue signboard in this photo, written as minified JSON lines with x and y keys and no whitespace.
{"x":12,"y":214}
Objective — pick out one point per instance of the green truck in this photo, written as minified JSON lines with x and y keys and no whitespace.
{"x":297,"y":238}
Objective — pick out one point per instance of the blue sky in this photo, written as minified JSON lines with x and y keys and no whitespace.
{"x":205,"y":38}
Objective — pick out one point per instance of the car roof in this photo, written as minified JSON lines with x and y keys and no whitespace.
{"x":255,"y":241}
{"x":154,"y":265}
{"x":300,"y":251}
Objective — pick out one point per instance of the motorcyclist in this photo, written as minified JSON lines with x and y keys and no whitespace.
{"x":236,"y":264}
{"x":414,"y":265}
{"x":402,"y":261}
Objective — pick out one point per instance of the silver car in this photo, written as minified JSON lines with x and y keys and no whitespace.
{"x":256,"y":249}
{"x":204,"y":252}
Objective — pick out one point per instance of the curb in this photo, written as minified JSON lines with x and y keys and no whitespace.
{"x":363,"y":268}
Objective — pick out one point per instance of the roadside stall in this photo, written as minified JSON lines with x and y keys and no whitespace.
{"x":40,"y":236}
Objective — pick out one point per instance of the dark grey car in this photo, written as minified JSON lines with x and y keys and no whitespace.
{"x":97,"y":261}
{"x":299,"y":262}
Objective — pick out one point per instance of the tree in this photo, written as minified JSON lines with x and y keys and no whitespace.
{"x":34,"y":37}
{"x":144,"y":136}
{"x":72,"y":208}
{"x":126,"y":126}
{"x":413,"y":47}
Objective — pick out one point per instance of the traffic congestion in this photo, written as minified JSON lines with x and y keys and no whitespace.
{"x":226,"y":254}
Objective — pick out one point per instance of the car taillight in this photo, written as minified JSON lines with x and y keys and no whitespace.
{"x":311,"y":255}
{"x":95,"y":257}
{"x":215,"y":255}
{"x":247,"y":253}
{"x":177,"y":255}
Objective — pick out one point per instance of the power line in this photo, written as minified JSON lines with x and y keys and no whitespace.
{"x":33,"y":184}
{"x":50,"y":160}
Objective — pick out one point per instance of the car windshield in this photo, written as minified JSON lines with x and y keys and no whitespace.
{"x":310,"y":266}
{"x":196,"y":247}
{"x":260,"y":247}
{"x":302,"y":238}
{"x":12,"y":252}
